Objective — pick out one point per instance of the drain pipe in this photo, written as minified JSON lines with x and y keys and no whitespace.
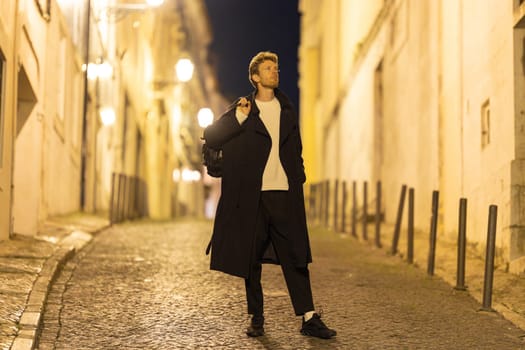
{"x":83,"y":148}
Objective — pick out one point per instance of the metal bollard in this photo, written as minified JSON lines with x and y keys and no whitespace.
{"x":311,"y":202}
{"x":112,"y":199}
{"x":125,"y":198}
{"x":321,"y":201}
{"x":326,"y":202}
{"x":120,"y":198}
{"x":144,"y":198}
{"x":132,"y":193}
{"x":378,"y":215}
{"x":397,"y":229}
{"x":129,"y":196}
{"x":136,"y":199}
{"x":462,"y":245}
{"x":336,"y":204}
{"x":317,"y":208}
{"x":489,"y":259}
{"x":343,"y":209}
{"x":317,"y":202}
{"x":354,"y":208}
{"x":410,"y":231}
{"x":320,"y":209}
{"x":433,"y":233}
{"x":365,"y":210}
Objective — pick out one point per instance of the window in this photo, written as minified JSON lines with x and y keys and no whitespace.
{"x":2,"y":93}
{"x":485,"y":124}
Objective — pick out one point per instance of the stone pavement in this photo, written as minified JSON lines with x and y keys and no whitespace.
{"x":146,"y":285}
{"x":508,"y":295}
{"x":29,"y":265}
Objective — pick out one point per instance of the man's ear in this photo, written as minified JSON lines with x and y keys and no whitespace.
{"x":256,"y":77}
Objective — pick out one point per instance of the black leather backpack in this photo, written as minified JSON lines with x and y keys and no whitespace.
{"x":212,"y":159}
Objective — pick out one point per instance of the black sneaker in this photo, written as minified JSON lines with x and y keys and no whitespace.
{"x":314,"y":327}
{"x":256,"y":328}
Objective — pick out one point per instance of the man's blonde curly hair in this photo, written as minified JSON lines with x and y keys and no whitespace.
{"x":256,"y":62}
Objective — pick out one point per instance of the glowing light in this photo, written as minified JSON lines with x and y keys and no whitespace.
{"x":154,"y":3}
{"x":176,"y":175}
{"x":186,"y":175}
{"x":102,"y":70}
{"x":184,"y":69}
{"x":107,"y":115}
{"x":190,"y":175}
{"x":205,"y":117}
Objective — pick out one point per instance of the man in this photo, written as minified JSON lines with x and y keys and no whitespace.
{"x":260,"y":216}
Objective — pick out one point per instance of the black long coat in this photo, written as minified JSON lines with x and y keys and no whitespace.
{"x":245,"y":151}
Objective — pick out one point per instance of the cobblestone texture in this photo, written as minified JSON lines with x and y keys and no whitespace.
{"x":27,"y":266}
{"x":147,"y":286}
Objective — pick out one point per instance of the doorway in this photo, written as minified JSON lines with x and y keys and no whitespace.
{"x":27,"y":160}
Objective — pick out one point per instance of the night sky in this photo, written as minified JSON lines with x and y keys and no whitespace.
{"x":242,"y":28}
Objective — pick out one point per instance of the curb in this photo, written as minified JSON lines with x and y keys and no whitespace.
{"x":31,"y":318}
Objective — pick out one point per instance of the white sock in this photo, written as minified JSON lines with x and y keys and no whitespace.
{"x":308,"y":315}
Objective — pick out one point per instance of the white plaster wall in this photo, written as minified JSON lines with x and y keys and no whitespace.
{"x":355,"y":21}
{"x":329,"y":46}
{"x":27,"y":171}
{"x":356,"y":128}
{"x":441,"y":61}
{"x":62,"y":174}
{"x":450,"y":114}
{"x":410,"y":112}
{"x":413,"y":131}
{"x":7,"y":24}
{"x":61,"y":152}
{"x":105,"y":166}
{"x":487,"y":74}
{"x":27,"y":176}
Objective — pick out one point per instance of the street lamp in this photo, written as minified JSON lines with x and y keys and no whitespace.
{"x":103,"y":70}
{"x":107,"y":116}
{"x":184,"y":69}
{"x":205,"y":117}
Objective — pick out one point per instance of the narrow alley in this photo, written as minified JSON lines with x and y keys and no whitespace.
{"x":147,"y":285}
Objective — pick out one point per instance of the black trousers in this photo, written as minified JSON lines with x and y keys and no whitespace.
{"x":272,"y":225}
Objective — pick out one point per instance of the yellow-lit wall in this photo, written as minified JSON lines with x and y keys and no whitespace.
{"x":438,"y":64}
{"x":7,"y":27}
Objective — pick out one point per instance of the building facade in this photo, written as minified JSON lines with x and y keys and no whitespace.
{"x":429,"y":94}
{"x":88,"y":90}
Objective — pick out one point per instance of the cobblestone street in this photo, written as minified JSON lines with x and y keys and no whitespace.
{"x":147,"y":285}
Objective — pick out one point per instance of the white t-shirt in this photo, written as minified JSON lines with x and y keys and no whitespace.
{"x":274,"y":176}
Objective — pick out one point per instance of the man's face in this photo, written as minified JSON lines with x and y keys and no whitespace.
{"x":268,"y":75}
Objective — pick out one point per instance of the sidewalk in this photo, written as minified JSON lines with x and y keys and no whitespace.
{"x":508,"y":289}
{"x":28,"y":265}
